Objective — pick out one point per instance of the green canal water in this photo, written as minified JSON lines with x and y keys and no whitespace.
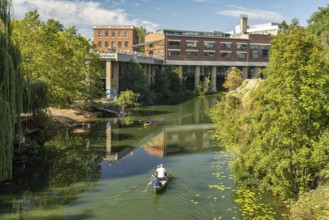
{"x":100,"y":170}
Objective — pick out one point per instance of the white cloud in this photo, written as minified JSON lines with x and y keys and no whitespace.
{"x":159,"y":8}
{"x":252,"y":13}
{"x":82,"y":14}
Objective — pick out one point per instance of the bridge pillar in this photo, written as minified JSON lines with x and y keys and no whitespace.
{"x":197,"y":77}
{"x":112,"y":75}
{"x":180,"y":72}
{"x":108,"y":75}
{"x":147,"y":71}
{"x":152,"y":75}
{"x":245,"y":72}
{"x":108,"y":139}
{"x":214,"y":79}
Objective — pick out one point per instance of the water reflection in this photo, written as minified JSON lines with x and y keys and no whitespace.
{"x":180,"y":139}
{"x":113,"y":159}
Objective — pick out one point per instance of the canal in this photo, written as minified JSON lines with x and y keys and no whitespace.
{"x":100,"y":170}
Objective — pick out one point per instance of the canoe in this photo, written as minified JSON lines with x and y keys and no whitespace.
{"x":164,"y":185}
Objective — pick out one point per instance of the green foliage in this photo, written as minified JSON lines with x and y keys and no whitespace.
{"x":275,"y":128}
{"x":318,"y":22}
{"x":39,"y":91}
{"x":203,"y":87}
{"x":141,"y":32}
{"x":167,"y":87}
{"x":129,"y":99}
{"x":312,"y":205}
{"x":59,"y":57}
{"x":12,"y":86}
{"x":233,"y":79}
{"x":134,"y":79}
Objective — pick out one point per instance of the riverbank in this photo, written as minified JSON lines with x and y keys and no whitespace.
{"x":69,"y":117}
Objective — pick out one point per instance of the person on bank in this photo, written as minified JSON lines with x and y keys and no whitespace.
{"x":162,"y":172}
{"x":155,"y":180}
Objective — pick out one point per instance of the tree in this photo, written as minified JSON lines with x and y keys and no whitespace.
{"x":134,"y":79}
{"x":277,"y":131}
{"x":233,"y":79}
{"x":318,"y":22}
{"x":129,"y":99}
{"x":141,"y":32}
{"x":203,"y":87}
{"x":60,"y":57}
{"x":12,"y":86}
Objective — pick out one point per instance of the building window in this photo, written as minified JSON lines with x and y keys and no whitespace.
{"x":241,"y":55}
{"x":241,"y":46}
{"x":126,"y":34}
{"x":113,"y":44}
{"x":113,"y":34}
{"x":106,"y":34}
{"x":119,"y":44}
{"x":173,"y":53}
{"x":254,"y":51}
{"x":174,"y":43}
{"x":208,"y":44}
{"x":225,"y":54}
{"x":99,"y":43}
{"x":265,"y":51}
{"x":208,"y":53}
{"x":191,"y":44}
{"x":120,"y":34}
{"x":126,"y":44}
{"x":106,"y":44}
{"x":225,"y":45}
{"x":99,"y":33}
{"x":192,"y":53}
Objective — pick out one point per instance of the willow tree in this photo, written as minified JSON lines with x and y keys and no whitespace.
{"x":11,"y":89}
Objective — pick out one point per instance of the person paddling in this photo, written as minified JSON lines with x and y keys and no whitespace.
{"x":162,"y":172}
{"x":155,"y":180}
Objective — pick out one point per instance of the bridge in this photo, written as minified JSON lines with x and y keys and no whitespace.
{"x":131,"y":56}
{"x":115,"y":65}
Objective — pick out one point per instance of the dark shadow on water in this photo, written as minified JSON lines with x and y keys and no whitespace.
{"x":85,"y":215}
{"x":119,"y":137}
{"x":146,"y":113}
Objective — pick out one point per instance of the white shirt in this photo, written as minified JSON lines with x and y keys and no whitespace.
{"x":161,"y":172}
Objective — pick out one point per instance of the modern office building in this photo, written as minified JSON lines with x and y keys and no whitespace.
{"x":115,"y":37}
{"x":270,"y":28}
{"x":194,"y":55}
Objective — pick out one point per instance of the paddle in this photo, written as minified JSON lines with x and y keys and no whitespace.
{"x":148,"y":184}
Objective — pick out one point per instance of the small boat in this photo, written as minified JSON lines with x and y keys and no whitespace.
{"x":149,"y":123}
{"x":122,"y":114}
{"x":164,"y":184}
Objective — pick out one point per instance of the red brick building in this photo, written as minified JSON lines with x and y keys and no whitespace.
{"x":115,"y":37}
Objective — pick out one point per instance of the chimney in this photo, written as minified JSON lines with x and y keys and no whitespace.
{"x":243,"y":23}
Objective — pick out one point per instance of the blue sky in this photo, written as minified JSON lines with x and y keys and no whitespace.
{"x":198,"y":15}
